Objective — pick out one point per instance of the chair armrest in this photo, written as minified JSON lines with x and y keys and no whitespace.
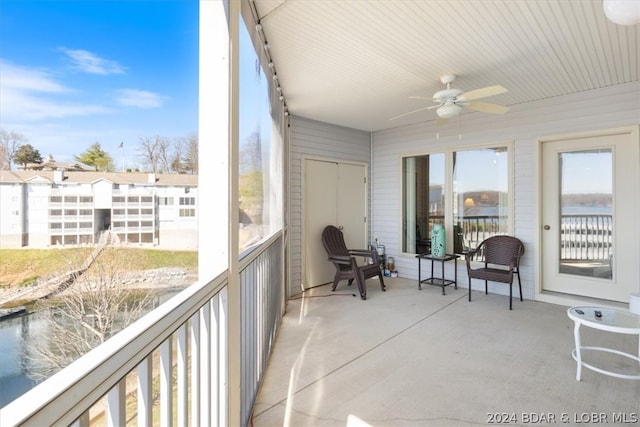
{"x":364,"y":253}
{"x":340,"y":259}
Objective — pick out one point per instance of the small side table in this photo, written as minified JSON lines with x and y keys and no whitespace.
{"x":605,"y":319}
{"x":438,"y":281}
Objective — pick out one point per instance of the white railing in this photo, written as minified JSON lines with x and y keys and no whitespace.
{"x":262,"y":296}
{"x":185,"y":342}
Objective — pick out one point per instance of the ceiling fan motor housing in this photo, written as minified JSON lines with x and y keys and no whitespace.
{"x":446,"y":94}
{"x":448,"y":111}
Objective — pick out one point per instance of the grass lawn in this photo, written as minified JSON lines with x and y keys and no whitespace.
{"x":23,"y":266}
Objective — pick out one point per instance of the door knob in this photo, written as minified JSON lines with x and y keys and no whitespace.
{"x":546,"y":227}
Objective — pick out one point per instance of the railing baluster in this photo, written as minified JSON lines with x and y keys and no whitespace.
{"x":194,"y":329}
{"x":145,"y":403}
{"x":166,"y":383}
{"x":116,"y":409}
{"x":183,"y":379}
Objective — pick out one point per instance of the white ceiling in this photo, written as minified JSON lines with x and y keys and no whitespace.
{"x":355,"y":63}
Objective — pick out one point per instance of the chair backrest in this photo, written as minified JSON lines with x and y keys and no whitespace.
{"x":333,"y":241}
{"x":502,"y":250}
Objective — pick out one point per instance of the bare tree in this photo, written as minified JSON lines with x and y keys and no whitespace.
{"x":191,"y":157}
{"x":90,"y":311}
{"x":178,"y":155}
{"x":149,"y":152}
{"x":10,"y":142}
{"x":164,"y":154}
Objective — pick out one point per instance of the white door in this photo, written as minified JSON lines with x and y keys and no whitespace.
{"x":590,"y":211}
{"x":334,"y":194}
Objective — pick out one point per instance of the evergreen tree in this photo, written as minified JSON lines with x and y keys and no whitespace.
{"x":27,"y":154}
{"x":98,"y":158}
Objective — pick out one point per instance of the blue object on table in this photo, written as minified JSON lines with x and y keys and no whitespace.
{"x":438,"y":241}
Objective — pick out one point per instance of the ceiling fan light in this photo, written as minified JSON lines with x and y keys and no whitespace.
{"x":448,"y":111}
{"x":622,"y":12}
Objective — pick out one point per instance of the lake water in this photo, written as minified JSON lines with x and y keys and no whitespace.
{"x":15,"y":337}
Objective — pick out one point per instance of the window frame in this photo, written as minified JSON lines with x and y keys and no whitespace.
{"x":449,"y":220}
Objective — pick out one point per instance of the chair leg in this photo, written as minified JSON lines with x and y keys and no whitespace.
{"x":362,"y":286}
{"x":382,"y":286}
{"x":350,"y":282}
{"x":469,"y":288}
{"x":511,"y":295}
{"x":486,"y":288}
{"x":335,"y":282}
{"x":519,"y":285}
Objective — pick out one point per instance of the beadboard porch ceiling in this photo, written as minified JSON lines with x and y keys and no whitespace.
{"x":354,"y":63}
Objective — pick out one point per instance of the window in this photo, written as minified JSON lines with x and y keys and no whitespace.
{"x":146,"y":199}
{"x":480,"y":195}
{"x":55,"y":199}
{"x":423,"y":201}
{"x":185,"y":212}
{"x":477,"y":206}
{"x":260,"y":147}
{"x":133,"y":199}
{"x":165,"y":201}
{"x":118,"y":199}
{"x":71,"y":199}
{"x":187,"y":201}
{"x":86,"y":199}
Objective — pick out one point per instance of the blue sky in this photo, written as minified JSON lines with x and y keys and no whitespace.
{"x":73,"y":73}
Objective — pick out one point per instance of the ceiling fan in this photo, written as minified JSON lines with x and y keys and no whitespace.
{"x":450,"y":102}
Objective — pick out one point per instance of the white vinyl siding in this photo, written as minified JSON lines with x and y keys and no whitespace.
{"x":312,"y":139}
{"x":524,"y":124}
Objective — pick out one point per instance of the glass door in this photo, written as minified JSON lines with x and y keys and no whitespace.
{"x":589,"y":215}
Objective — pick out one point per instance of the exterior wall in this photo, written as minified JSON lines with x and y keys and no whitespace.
{"x":12,"y":211}
{"x":312,"y":139}
{"x":37,"y":224}
{"x":39,"y":214}
{"x":176,"y":231}
{"x":524,"y":124}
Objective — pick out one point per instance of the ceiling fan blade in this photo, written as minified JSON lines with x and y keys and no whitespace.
{"x":482,"y":93}
{"x":487,"y":108}
{"x":420,"y":97}
{"x":411,"y":112}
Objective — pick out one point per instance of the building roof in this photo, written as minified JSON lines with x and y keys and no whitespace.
{"x":126,"y":178}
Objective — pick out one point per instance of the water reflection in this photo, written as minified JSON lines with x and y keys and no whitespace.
{"x":17,"y":337}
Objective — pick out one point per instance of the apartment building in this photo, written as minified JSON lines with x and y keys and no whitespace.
{"x":44,"y":208}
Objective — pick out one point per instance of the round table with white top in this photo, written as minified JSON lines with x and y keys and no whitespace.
{"x":605,"y":319}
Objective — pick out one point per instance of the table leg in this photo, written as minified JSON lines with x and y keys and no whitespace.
{"x":576,"y":336}
{"x":419,"y":278}
{"x":455,"y":273}
{"x":442,"y":266}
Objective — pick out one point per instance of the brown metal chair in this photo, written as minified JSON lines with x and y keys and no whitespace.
{"x":345,"y":262}
{"x":501,"y":260}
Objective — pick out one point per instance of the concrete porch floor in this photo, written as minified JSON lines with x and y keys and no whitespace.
{"x":419,"y":358}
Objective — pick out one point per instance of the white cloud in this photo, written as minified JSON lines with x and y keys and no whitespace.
{"x":139,"y":98}
{"x":29,"y":79}
{"x":88,"y":62}
{"x":28,"y":94}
